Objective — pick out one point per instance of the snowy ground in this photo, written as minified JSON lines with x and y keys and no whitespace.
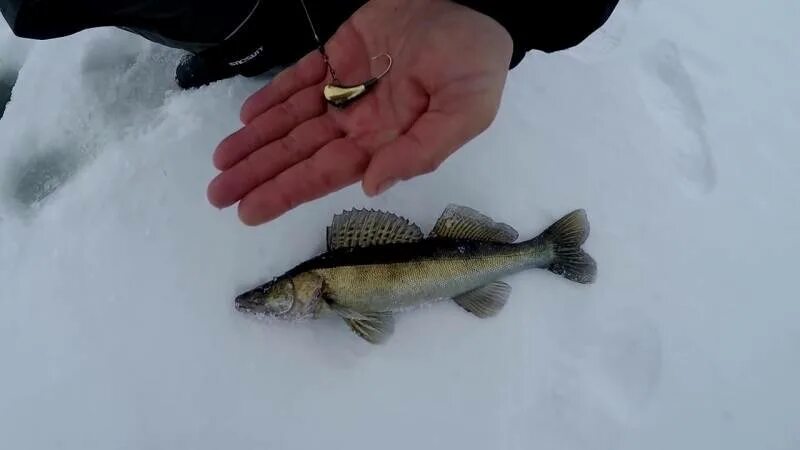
{"x":676,"y":127}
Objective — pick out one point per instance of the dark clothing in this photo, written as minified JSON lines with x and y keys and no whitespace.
{"x":194,"y":25}
{"x":545,"y":25}
{"x":187,"y":24}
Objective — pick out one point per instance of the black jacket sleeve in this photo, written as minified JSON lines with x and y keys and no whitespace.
{"x":545,"y":25}
{"x":180,"y":23}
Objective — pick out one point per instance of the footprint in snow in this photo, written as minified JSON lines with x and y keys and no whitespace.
{"x":123,"y":80}
{"x":127,"y":78}
{"x":7,"y":82}
{"x":671,"y":96}
{"x":42,"y":175}
{"x":606,"y":373}
{"x":610,"y":36}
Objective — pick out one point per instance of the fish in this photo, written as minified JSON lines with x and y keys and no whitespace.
{"x":378,"y":264}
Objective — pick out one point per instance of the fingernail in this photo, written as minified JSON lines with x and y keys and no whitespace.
{"x":385,"y":186}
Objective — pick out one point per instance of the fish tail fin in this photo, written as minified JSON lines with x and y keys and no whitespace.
{"x":564,"y":238}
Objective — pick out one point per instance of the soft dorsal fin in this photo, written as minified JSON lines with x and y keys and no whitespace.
{"x":366,"y":228}
{"x":461,"y":222}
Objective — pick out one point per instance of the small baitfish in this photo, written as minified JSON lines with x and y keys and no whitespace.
{"x":378,"y":263}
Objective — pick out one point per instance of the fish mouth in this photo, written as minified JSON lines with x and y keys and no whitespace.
{"x":243,"y":308}
{"x":259,"y":301}
{"x":254,"y":300}
{"x":249,"y":302}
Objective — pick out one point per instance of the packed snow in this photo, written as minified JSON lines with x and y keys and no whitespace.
{"x":675,"y":126}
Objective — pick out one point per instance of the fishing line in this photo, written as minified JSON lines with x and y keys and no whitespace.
{"x":334,"y":92}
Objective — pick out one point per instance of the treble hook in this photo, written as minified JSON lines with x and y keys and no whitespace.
{"x":341,"y":96}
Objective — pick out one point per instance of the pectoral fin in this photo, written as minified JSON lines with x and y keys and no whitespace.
{"x":374,"y":327}
{"x":485,"y":301}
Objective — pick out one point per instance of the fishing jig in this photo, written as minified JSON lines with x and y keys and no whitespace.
{"x":335,"y":93}
{"x":341,"y":96}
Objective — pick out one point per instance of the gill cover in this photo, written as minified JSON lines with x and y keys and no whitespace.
{"x":280,"y":298}
{"x":307,"y":290}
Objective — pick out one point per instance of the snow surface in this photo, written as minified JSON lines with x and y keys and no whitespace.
{"x":675,"y":126}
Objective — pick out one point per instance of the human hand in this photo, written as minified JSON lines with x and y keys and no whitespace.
{"x":444,"y":88}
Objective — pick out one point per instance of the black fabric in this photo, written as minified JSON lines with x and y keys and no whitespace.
{"x":178,"y":23}
{"x":545,"y":25}
{"x":193,"y":25}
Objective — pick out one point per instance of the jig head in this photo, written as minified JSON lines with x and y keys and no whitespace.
{"x":341,"y":96}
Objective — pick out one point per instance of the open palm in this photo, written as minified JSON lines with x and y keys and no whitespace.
{"x":444,"y":88}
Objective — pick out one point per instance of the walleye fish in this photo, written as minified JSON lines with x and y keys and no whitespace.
{"x":378,"y":263}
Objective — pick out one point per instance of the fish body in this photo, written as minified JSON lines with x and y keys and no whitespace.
{"x":395,"y":277}
{"x":378,"y":263}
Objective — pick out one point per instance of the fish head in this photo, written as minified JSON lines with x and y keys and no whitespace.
{"x":274,"y":298}
{"x":286,"y":297}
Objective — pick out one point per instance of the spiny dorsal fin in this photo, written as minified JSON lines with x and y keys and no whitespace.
{"x":366,"y":228}
{"x":486,"y":301}
{"x":461,"y":222}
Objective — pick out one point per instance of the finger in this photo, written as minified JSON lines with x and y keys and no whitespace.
{"x":309,"y":71}
{"x":269,"y":126}
{"x":434,"y":137}
{"x":301,"y":143}
{"x":335,"y":166}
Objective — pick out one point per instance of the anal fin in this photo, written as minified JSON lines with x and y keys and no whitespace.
{"x":486,"y":301}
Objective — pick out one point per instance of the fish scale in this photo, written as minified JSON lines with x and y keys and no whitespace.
{"x":389,"y":286}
